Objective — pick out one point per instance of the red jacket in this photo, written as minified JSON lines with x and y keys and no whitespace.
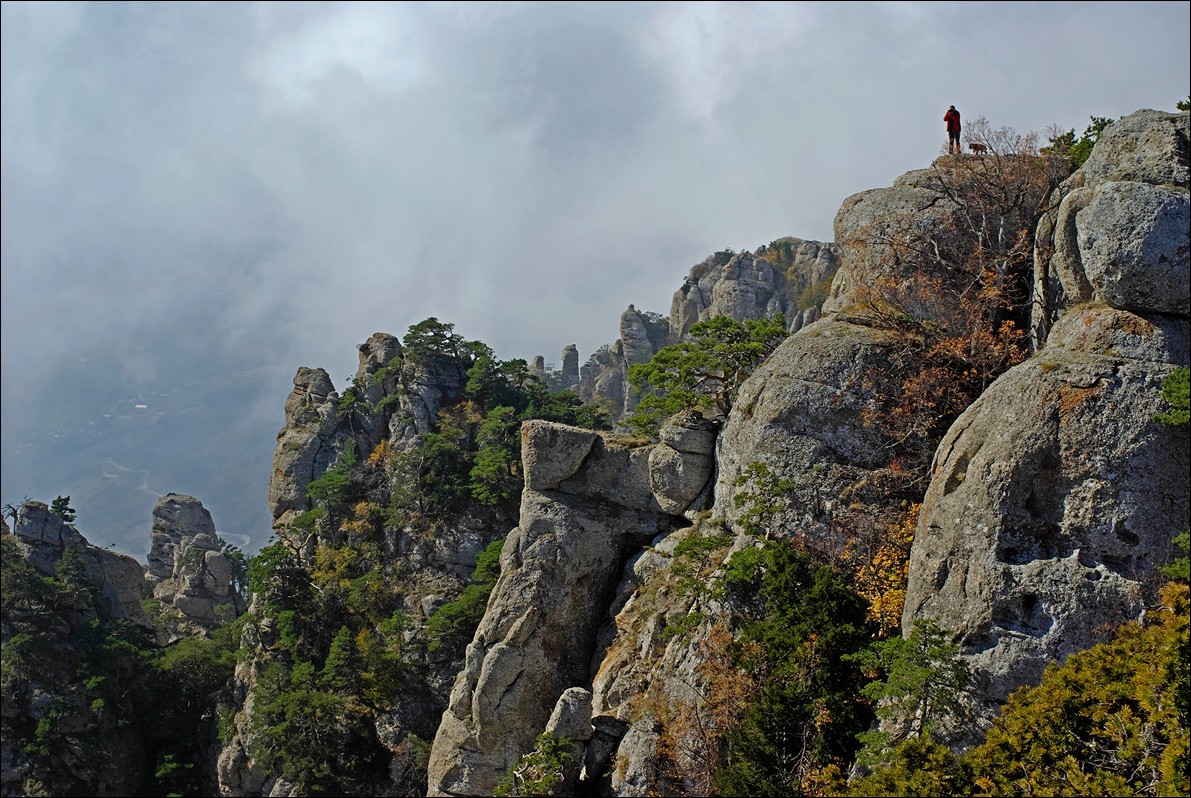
{"x":952,"y":120}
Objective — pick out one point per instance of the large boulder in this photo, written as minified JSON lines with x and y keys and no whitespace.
{"x":584,"y":512}
{"x":187,"y":572}
{"x":1117,"y":231}
{"x":798,"y":417}
{"x":1053,"y":501}
{"x":1054,"y":497}
{"x":307,"y":443}
{"x":43,"y":538}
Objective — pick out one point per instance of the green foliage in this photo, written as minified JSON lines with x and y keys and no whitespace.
{"x":923,"y":688}
{"x":744,"y":569}
{"x":342,"y":667}
{"x":695,"y":557}
{"x":496,"y":476}
{"x":1183,"y":105}
{"x":475,"y":448}
{"x":918,"y":766}
{"x":87,"y":674}
{"x":1078,"y":150}
{"x":491,"y":383}
{"x":435,"y":474}
{"x":452,"y":625}
{"x":190,"y":682}
{"x":333,"y":486}
{"x":1179,"y":568}
{"x":706,"y":370}
{"x":801,"y":649}
{"x":239,"y":562}
{"x":75,"y":590}
{"x":61,"y":508}
{"x":722,"y":256}
{"x":1175,"y":390}
{"x":657,"y":326}
{"x":1112,"y":720}
{"x":762,"y":496}
{"x":433,"y":339}
{"x":276,"y":576}
{"x":541,"y":771}
{"x":319,"y":739}
{"x":383,"y":669}
{"x":814,"y":294}
{"x":684,"y":625}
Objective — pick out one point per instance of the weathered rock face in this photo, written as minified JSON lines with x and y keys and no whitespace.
{"x":186,"y":571}
{"x":799,"y":416}
{"x":427,"y":386}
{"x":44,"y":537}
{"x":1053,"y":500}
{"x":587,"y":506}
{"x":307,"y":443}
{"x":1118,"y":231}
{"x":1054,"y":497}
{"x":319,"y":422}
{"x":376,"y":377}
{"x":648,"y":679}
{"x":868,"y":221}
{"x":743,"y":287}
{"x":47,"y":689}
{"x":749,"y":286}
{"x":604,"y":380}
{"x":570,"y":366}
{"x":394,"y":399}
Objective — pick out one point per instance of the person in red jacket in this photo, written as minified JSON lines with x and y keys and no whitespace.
{"x":952,"y":120}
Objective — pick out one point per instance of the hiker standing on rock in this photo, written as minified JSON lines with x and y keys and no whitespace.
{"x":952,"y":120}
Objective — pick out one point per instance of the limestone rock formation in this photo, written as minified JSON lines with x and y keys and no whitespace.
{"x":307,"y":443}
{"x":1118,"y":228}
{"x":604,"y":380}
{"x":44,"y":537}
{"x":186,"y":570}
{"x":789,"y":276}
{"x":587,"y":506}
{"x":1055,"y":495}
{"x":394,"y":397}
{"x":749,"y":285}
{"x":1053,"y":500}
{"x":427,"y":385}
{"x":799,"y":416}
{"x":570,"y":367}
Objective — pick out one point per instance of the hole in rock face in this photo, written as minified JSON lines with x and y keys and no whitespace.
{"x":1123,"y":534}
{"x":1120,"y":565}
{"x":1026,"y":538}
{"x":1011,"y":555}
{"x":941,"y":576}
{"x":1024,"y":614}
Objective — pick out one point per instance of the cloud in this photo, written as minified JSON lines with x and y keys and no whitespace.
{"x":203,"y":188}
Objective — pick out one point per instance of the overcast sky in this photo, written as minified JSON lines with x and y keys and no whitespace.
{"x":192,"y":184}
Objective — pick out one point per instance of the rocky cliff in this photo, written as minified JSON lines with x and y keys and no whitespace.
{"x":1050,"y":502}
{"x":1054,"y":497}
{"x":788,"y":276}
{"x":196,"y":584}
{"x":79,"y":622}
{"x":992,"y":392}
{"x":587,"y":507}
